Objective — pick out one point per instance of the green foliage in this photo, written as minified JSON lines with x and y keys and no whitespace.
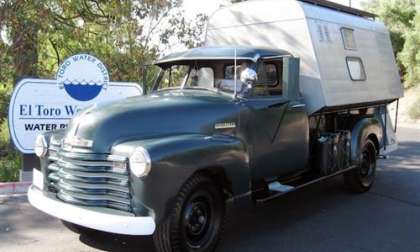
{"x":5,"y":92}
{"x":414,"y":111}
{"x":402,"y":19}
{"x":10,"y":160}
{"x":4,"y":137}
{"x":9,"y":167}
{"x":36,"y":36}
{"x":123,"y":34}
{"x":410,"y":54}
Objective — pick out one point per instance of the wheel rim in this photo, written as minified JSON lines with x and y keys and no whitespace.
{"x":367,"y":166}
{"x":198,"y":219}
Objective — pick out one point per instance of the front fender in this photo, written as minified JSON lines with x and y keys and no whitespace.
{"x":177,"y":158}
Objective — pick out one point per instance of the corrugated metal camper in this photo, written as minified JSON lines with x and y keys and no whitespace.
{"x":346,"y":56}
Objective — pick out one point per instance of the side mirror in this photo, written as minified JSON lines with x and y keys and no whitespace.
{"x":249,"y":76}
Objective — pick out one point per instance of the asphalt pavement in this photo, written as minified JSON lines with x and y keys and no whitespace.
{"x":323,"y":217}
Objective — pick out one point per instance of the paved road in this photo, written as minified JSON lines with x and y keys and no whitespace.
{"x":323,"y":217}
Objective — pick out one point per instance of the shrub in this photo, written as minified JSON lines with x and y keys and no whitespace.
{"x":9,"y":167}
{"x":5,"y":92}
{"x":414,"y":111}
{"x":10,"y":160}
{"x":4,"y":137}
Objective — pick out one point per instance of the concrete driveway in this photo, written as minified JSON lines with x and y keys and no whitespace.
{"x":323,"y":217}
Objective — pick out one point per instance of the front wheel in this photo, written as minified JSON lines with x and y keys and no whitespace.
{"x":361,"y":179}
{"x":196,"y":220}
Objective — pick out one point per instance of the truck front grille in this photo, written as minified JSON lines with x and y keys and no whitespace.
{"x":93,"y":183}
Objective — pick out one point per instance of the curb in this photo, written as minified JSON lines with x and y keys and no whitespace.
{"x":14,"y":188}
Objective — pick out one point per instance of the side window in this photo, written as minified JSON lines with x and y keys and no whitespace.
{"x":270,"y":74}
{"x":269,"y":79}
{"x":356,"y":69}
{"x":348,"y":39}
{"x":267,"y":74}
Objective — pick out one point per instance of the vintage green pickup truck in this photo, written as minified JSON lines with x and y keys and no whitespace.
{"x":172,"y":158}
{"x":221,"y":124}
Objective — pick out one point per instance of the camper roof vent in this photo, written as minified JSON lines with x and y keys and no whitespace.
{"x":339,"y":7}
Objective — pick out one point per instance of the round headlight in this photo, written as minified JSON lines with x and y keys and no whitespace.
{"x":140,"y":163}
{"x":41,"y":146}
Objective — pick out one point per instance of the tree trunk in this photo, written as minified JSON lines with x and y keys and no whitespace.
{"x":25,"y":61}
{"x":25,"y":49}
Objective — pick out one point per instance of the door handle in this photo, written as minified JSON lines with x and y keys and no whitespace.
{"x":279,"y":104}
{"x":301,"y":105}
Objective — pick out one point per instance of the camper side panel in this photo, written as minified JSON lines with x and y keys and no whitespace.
{"x":343,"y":43}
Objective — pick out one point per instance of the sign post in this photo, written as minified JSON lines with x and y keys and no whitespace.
{"x":40,"y":105}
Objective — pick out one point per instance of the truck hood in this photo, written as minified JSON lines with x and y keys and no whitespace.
{"x":161,"y":114}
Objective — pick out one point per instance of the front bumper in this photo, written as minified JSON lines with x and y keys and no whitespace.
{"x":118,"y":224}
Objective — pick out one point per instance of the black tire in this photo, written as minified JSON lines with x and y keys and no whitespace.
{"x":78,"y":229}
{"x":196,"y":221}
{"x":361,"y":179}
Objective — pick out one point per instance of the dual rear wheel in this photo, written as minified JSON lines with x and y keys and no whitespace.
{"x":361,"y":179}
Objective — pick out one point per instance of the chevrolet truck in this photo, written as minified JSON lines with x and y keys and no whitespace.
{"x":282,"y":94}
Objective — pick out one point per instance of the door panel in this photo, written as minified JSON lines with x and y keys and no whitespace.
{"x":280,"y":136}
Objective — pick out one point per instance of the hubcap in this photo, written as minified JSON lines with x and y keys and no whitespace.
{"x":197,"y":219}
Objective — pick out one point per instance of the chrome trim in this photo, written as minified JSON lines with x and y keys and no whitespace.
{"x":299,"y":106}
{"x":96,"y":180}
{"x":108,"y":222}
{"x":148,"y":161}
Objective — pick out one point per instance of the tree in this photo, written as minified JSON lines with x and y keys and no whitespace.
{"x":410,"y":54}
{"x":399,"y":16}
{"x":121,"y":33}
{"x":36,"y":36}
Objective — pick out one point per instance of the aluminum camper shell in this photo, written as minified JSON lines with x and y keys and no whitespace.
{"x":330,"y":43}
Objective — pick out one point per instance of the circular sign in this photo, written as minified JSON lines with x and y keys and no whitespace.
{"x":83,"y":76}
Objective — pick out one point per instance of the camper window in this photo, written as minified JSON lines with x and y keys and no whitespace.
{"x":356,"y":69}
{"x":348,"y":39}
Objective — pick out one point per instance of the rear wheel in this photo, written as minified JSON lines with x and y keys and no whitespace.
{"x":361,"y":179}
{"x":196,"y":221}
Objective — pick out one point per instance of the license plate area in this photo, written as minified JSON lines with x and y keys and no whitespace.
{"x":38,"y":179}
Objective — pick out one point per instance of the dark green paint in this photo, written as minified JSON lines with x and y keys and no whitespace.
{"x":177,"y":127}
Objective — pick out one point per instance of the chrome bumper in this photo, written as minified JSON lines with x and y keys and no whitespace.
{"x":118,"y":224}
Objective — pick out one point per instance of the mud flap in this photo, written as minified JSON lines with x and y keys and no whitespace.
{"x":389,"y":138}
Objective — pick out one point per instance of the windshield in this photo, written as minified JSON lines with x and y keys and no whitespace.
{"x":215,"y":76}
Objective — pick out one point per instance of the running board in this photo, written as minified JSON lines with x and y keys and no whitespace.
{"x":279,"y":189}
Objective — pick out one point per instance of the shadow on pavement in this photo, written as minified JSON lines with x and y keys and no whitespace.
{"x":118,"y":243}
{"x":245,"y":223}
{"x":322,"y":217}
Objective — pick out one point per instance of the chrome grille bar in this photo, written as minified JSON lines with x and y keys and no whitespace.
{"x":89,"y":181}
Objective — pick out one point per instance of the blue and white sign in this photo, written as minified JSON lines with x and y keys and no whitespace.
{"x":83,"y":77}
{"x":39,"y":105}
